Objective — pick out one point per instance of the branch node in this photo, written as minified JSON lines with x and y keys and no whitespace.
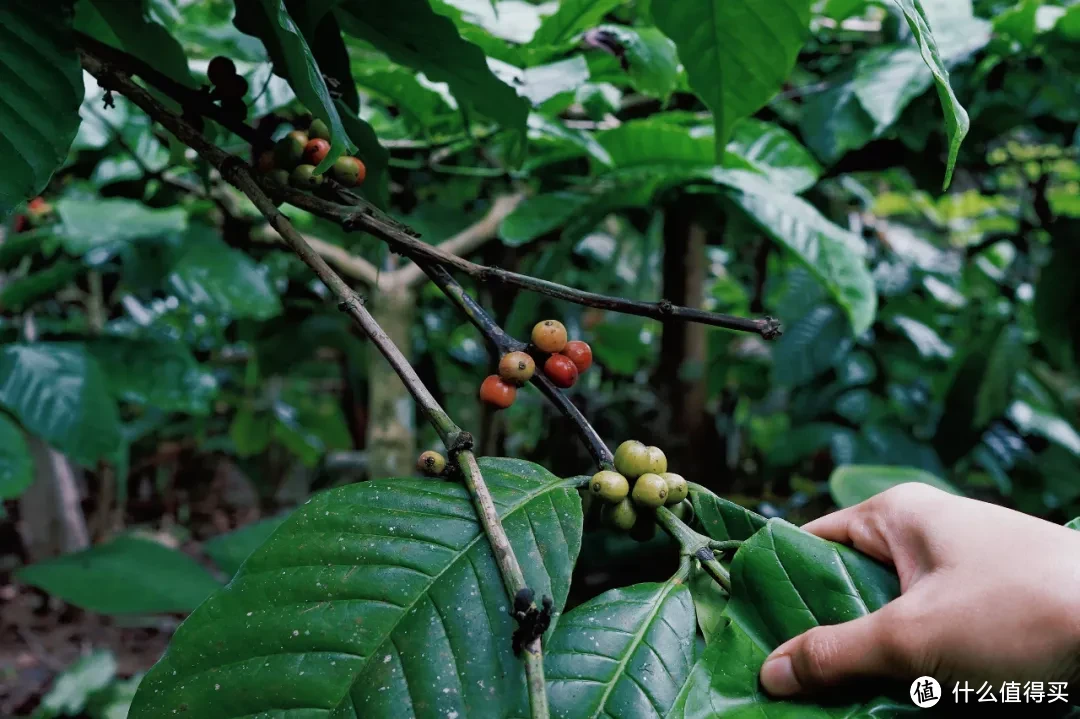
{"x":770,"y":328}
{"x":460,"y":442}
{"x":705,"y":554}
{"x":350,"y":303}
{"x":666,"y":307}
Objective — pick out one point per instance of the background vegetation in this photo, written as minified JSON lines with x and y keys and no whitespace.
{"x":173,"y":380}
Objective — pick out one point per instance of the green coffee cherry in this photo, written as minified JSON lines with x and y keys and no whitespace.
{"x":288,"y":152}
{"x":431,"y":463}
{"x":621,"y":516}
{"x":677,"y":488}
{"x":657,"y":460}
{"x":304,"y":177}
{"x":279,"y":176}
{"x":609,"y":486}
{"x":318,"y":129}
{"x":632,"y":459}
{"x":650,"y":490}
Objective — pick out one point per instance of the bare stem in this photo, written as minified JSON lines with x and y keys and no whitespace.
{"x":696,"y":545}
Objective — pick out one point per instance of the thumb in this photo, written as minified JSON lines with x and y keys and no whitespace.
{"x":829,"y":655}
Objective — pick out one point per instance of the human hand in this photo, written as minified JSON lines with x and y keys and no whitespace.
{"x":987,"y":594}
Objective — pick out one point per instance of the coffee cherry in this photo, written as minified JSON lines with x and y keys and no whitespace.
{"x":279,"y":176}
{"x":431,"y":463}
{"x":549,"y":336}
{"x":632,"y":459}
{"x":684,"y":511}
{"x":304,"y":178}
{"x":288,"y":152}
{"x":300,"y":136}
{"x":677,"y":488}
{"x":349,"y":171}
{"x":516,"y":367}
{"x":650,"y":490}
{"x":620,"y":516}
{"x":220,"y":70}
{"x":561,"y":371}
{"x":234,"y":87}
{"x":610,"y":486}
{"x":265,"y":161}
{"x":657,"y":460}
{"x":315,"y":150}
{"x":318,"y":129}
{"x":580,"y":353}
{"x":497,"y":393}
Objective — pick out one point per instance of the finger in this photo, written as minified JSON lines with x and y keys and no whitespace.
{"x":860,"y":526}
{"x":831,"y":655}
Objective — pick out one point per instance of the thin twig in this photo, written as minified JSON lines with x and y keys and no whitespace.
{"x":695,"y":545}
{"x":459,"y":443}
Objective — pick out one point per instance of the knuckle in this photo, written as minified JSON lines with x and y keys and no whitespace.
{"x":818,"y":656}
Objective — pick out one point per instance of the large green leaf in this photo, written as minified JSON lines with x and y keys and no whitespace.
{"x":89,"y":224}
{"x":811,"y":345}
{"x":625,"y":653}
{"x":269,"y":20}
{"x":411,"y":33}
{"x":58,"y":392}
{"x":155,"y":373}
{"x":956,"y":118}
{"x":379,"y":599}
{"x":539,"y":215}
{"x":834,"y":122}
{"x":852,"y":484}
{"x":572,"y":17}
{"x":774,"y":152}
{"x":216,"y":278}
{"x":1056,"y":293}
{"x":784,"y":582}
{"x":129,"y":575}
{"x":230,"y":550}
{"x":722,"y":519}
{"x":649,"y":57}
{"x":42,"y":87}
{"x":737,"y":53}
{"x":16,"y":462}
{"x":19,"y":293}
{"x":835,"y":256}
{"x":129,"y":27}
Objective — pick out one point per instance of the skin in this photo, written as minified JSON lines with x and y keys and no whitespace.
{"x":987,"y":594}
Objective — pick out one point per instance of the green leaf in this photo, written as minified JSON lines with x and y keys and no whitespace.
{"x":16,"y":462}
{"x":77,"y":684}
{"x":412,"y":34}
{"x":722,"y":519}
{"x":784,"y":582}
{"x":956,"y":118}
{"x":737,"y":53}
{"x":129,"y":27}
{"x":852,"y":484}
{"x":57,"y":391}
{"x":1031,"y":420}
{"x":42,"y":87}
{"x":269,"y":20}
{"x":811,"y":345}
{"x":834,"y":122}
{"x":89,"y":224}
{"x":543,"y":82}
{"x":231,"y":549}
{"x":1073,"y":524}
{"x":649,"y":57}
{"x":774,"y":152}
{"x":128,"y":575}
{"x":710,"y":601}
{"x":155,"y":373}
{"x":887,"y":79}
{"x":541,"y":214}
{"x":216,"y":278}
{"x":836,"y":257}
{"x":1056,"y":293}
{"x":373,"y":597}
{"x":19,"y":293}
{"x":625,"y":653}
{"x":572,"y":17}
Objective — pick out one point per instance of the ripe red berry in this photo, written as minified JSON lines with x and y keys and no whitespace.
{"x":497,"y":393}
{"x":580,"y":353}
{"x":315,"y":150}
{"x":561,"y":370}
{"x":549,"y":336}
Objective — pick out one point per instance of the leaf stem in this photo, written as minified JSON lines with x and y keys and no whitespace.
{"x":697,"y":546}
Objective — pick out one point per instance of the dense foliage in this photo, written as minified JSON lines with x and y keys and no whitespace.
{"x":895,"y":181}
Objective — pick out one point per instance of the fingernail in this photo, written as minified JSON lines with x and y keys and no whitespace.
{"x":778,"y":676}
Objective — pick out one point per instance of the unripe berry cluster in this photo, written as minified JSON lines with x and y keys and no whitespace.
{"x":229,"y":87}
{"x":566,"y":360}
{"x":293,"y":160}
{"x":639,"y":485}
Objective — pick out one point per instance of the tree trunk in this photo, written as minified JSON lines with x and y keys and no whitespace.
{"x":50,"y":512}
{"x":391,"y":426}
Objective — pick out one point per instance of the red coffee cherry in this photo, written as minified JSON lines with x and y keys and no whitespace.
{"x":580,"y":354}
{"x":561,"y":370}
{"x":497,"y":393}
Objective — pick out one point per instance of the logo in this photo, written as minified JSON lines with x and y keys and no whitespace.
{"x":925,"y":692}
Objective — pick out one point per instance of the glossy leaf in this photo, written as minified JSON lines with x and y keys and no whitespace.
{"x":1031,"y":420}
{"x":270,"y":21}
{"x":155,"y":373}
{"x":128,"y":26}
{"x":379,"y":599}
{"x":835,"y":256}
{"x":1056,"y":294}
{"x":834,"y":123}
{"x":42,"y":87}
{"x":1073,"y":524}
{"x":415,"y":36}
{"x":16,"y":462}
{"x":737,"y":53}
{"x":73,"y":688}
{"x":776,"y":153}
{"x":625,"y":653}
{"x":572,"y":17}
{"x":710,"y":601}
{"x":129,"y":575}
{"x":722,"y":519}
{"x":811,"y":345}
{"x":649,"y":58}
{"x":20,"y":293}
{"x":539,"y":215}
{"x":58,"y":392}
{"x":231,"y":549}
{"x":956,"y":118}
{"x":90,"y":224}
{"x":213,"y":277}
{"x":852,"y":484}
